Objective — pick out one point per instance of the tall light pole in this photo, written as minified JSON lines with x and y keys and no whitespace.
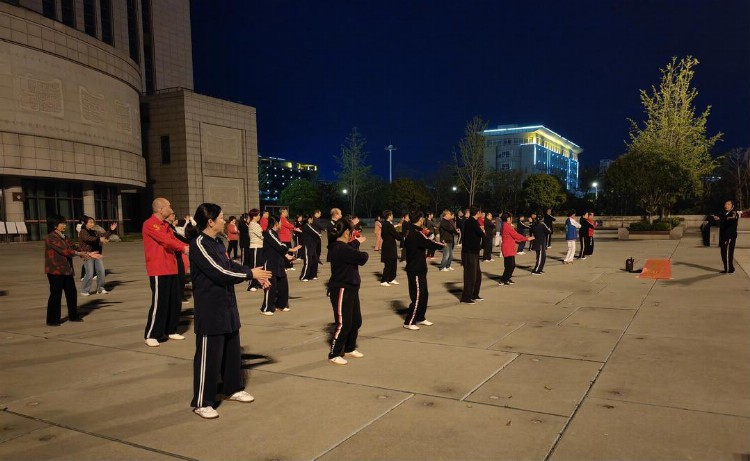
{"x":390,"y":150}
{"x":596,"y":190}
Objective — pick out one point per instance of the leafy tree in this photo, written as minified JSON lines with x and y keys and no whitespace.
{"x":373,"y":194}
{"x":542,"y":191}
{"x":440,"y":187}
{"x":469,"y":161}
{"x":503,"y":190}
{"x":354,"y":170}
{"x":408,"y":195}
{"x":736,"y":168}
{"x":301,"y":196}
{"x":672,"y":143}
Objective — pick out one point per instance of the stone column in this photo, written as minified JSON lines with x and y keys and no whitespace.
{"x":14,"y":209}
{"x":89,"y":207}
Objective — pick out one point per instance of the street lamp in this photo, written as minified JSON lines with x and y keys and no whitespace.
{"x":345,"y":191}
{"x":390,"y":150}
{"x":595,"y":185}
{"x":454,"y":188}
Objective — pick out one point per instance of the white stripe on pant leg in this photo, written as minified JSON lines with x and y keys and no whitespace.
{"x":156,"y":305}
{"x":306,"y":267}
{"x":538,"y":261}
{"x":339,"y":319}
{"x":416,"y":302}
{"x":202,"y":382}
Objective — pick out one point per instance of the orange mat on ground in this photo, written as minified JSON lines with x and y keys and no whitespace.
{"x":657,"y":269}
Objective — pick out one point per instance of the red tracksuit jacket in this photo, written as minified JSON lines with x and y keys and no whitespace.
{"x":159,"y":247}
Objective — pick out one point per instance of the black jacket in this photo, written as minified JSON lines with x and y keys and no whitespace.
{"x":448,"y":231}
{"x":329,"y":232}
{"x":214,"y":276}
{"x":548,"y":220}
{"x":584,"y":230}
{"x":345,"y":259}
{"x":471,"y":239}
{"x":389,"y":250}
{"x":728,"y":225}
{"x":405,"y":228}
{"x":310,"y":236}
{"x":522,"y":227}
{"x":540,"y":231}
{"x":244,"y":230}
{"x":489,"y":229}
{"x":415,"y":246}
{"x":275,"y":253}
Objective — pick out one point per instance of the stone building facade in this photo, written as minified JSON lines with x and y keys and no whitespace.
{"x":75,"y":79}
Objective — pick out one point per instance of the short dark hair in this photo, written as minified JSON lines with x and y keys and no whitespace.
{"x":253,"y":213}
{"x":54,"y":220}
{"x":387,"y":213}
{"x":571,"y":213}
{"x":232,"y":218}
{"x":271,"y":222}
{"x":416,"y":216}
{"x":506,"y":215}
{"x":204,"y":212}
{"x":339,"y":227}
{"x":473,"y":210}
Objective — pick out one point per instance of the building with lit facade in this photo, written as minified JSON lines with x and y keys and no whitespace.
{"x":532,"y":149}
{"x":276,"y":173}
{"x":98,"y":116}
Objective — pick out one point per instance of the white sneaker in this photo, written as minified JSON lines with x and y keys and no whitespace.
{"x":286,"y":309}
{"x":102,"y":292}
{"x":85,"y":294}
{"x":176,"y":336}
{"x":338,"y":361}
{"x":394,"y":282}
{"x":305,"y":280}
{"x":445,"y":269}
{"x":241,"y":396}
{"x":385,"y":284}
{"x":151,"y":342}
{"x":266,"y":312}
{"x":315,"y":278}
{"x":356,"y":354}
{"x":292,"y":269}
{"x":521,"y":253}
{"x":411,"y":327}
{"x":426,"y":323}
{"x":451,"y":269}
{"x":253,"y":289}
{"x":206,"y":412}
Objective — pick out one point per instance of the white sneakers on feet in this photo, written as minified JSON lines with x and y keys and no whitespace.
{"x":445,"y":269}
{"x":356,"y":354}
{"x":102,"y":292}
{"x":451,"y":269}
{"x":266,"y":312}
{"x":426,"y":323}
{"x":206,"y":412}
{"x":151,"y":342}
{"x":241,"y":396}
{"x":253,"y":289}
{"x":85,"y":294}
{"x":176,"y":336}
{"x":394,"y":282}
{"x":411,"y":327}
{"x":385,"y":284}
{"x":338,"y":361}
{"x":286,"y":309}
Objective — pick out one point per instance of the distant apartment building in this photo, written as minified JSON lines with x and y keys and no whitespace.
{"x":532,"y":149}
{"x":276,"y":173}
{"x":98,"y":116}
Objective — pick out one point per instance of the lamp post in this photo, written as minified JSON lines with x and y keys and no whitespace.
{"x":390,"y":148}
{"x":595,"y":185}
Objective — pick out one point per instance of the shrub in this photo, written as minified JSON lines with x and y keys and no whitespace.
{"x":646,"y":226}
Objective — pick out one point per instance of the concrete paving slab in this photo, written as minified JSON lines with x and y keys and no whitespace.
{"x":694,"y":320}
{"x":14,"y":426}
{"x":602,"y":318}
{"x":439,"y":429}
{"x":607,"y":429}
{"x":399,"y":365}
{"x":695,"y":374}
{"x":63,"y":444}
{"x":561,"y":341}
{"x":543,"y":384}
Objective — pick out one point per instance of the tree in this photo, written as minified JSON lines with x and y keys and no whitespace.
{"x":542,"y":191}
{"x":408,"y":195}
{"x":353,"y":168}
{"x":672,"y":141}
{"x":373,"y":195}
{"x":301,"y":196}
{"x":442,"y":189}
{"x":469,"y":161}
{"x":503,"y":190}
{"x":736,"y":167}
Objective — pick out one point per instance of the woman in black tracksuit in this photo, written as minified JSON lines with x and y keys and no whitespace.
{"x":276,"y":296}
{"x":583,"y":234}
{"x":311,"y":241}
{"x":489,"y":237}
{"x":540,"y":231}
{"x":389,"y":250}
{"x":343,"y":288}
{"x":217,"y":319}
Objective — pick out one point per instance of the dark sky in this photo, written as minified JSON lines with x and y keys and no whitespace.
{"x":412,"y":73}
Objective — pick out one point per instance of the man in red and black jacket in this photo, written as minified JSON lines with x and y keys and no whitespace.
{"x":160,"y":247}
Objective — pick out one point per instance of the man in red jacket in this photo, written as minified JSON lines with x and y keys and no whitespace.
{"x":160,"y":247}
{"x":285,"y":234}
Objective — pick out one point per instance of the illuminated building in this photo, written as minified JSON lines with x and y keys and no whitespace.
{"x":274,"y":174}
{"x":532,"y":149}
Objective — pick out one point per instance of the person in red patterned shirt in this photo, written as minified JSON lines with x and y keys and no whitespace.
{"x":59,"y":251}
{"x":160,"y":247}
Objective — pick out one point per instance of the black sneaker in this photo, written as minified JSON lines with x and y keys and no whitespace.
{"x":510,"y":282}
{"x":478,"y":299}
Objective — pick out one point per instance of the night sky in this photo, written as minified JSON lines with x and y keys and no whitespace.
{"x":411,"y":73}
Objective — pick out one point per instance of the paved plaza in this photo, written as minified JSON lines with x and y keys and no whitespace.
{"x":585,"y":362}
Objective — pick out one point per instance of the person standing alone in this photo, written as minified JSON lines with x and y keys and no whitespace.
{"x":728,"y":236}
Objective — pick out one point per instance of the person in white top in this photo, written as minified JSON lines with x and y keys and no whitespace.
{"x":255,"y":256}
